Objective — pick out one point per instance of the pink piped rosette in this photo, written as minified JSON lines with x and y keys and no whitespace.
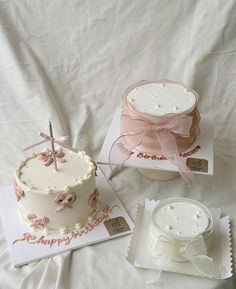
{"x":36,"y":221}
{"x":47,"y":157}
{"x":93,"y":199}
{"x":18,"y":191}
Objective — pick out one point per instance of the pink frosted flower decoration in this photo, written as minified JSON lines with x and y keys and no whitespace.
{"x":37,"y":222}
{"x":47,"y":157}
{"x":64,"y":201}
{"x":18,"y":191}
{"x":93,"y":199}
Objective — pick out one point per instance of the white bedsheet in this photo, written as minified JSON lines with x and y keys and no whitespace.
{"x":70,"y":61}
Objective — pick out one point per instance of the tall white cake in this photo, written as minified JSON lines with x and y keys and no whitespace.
{"x":56,"y":201}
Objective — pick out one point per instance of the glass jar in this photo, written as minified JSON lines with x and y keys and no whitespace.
{"x":175,"y":223}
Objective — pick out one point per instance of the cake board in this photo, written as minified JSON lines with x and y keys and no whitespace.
{"x":27,"y":245}
{"x":199,"y":156}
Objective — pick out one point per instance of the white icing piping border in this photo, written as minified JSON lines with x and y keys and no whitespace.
{"x":67,"y":189}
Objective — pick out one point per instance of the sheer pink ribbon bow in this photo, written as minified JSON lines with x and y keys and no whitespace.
{"x":166,"y":134}
{"x":57,"y":140}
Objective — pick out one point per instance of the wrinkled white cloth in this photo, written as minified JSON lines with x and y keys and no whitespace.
{"x":69,"y":62}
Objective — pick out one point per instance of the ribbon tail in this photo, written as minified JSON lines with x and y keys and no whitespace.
{"x":120,"y":151}
{"x":205,"y":265}
{"x":196,"y":253}
{"x":66,"y":146}
{"x":184,"y":171}
{"x":155,"y":278}
{"x":35,"y":144}
{"x":163,"y":244}
{"x":163,"y":260}
{"x":169,"y":148}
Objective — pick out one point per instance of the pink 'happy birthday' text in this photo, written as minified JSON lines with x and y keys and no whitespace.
{"x":67,"y":238}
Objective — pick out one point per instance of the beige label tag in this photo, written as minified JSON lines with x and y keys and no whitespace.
{"x":116,"y":226}
{"x":198,"y":165}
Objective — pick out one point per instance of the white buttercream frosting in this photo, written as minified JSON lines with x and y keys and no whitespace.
{"x":161,"y":98}
{"x":74,"y":169}
{"x":34,"y":175}
{"x":181,"y":219}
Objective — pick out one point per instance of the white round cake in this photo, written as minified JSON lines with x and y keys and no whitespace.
{"x":56,"y":201}
{"x":161,"y":98}
{"x":179,"y":220}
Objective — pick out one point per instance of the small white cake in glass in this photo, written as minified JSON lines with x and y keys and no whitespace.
{"x":56,"y":201}
{"x":179,"y":220}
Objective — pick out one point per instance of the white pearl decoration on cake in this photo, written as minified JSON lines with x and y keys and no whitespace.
{"x":179,"y":220}
{"x":161,"y":98}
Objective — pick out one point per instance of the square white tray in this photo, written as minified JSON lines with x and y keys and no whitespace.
{"x":202,"y":148}
{"x":27,"y":245}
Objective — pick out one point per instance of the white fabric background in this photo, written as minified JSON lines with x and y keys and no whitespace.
{"x":70,"y":61}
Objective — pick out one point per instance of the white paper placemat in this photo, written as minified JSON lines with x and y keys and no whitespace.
{"x":201,"y":149}
{"x":27,"y":245}
{"x":139,"y":256}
